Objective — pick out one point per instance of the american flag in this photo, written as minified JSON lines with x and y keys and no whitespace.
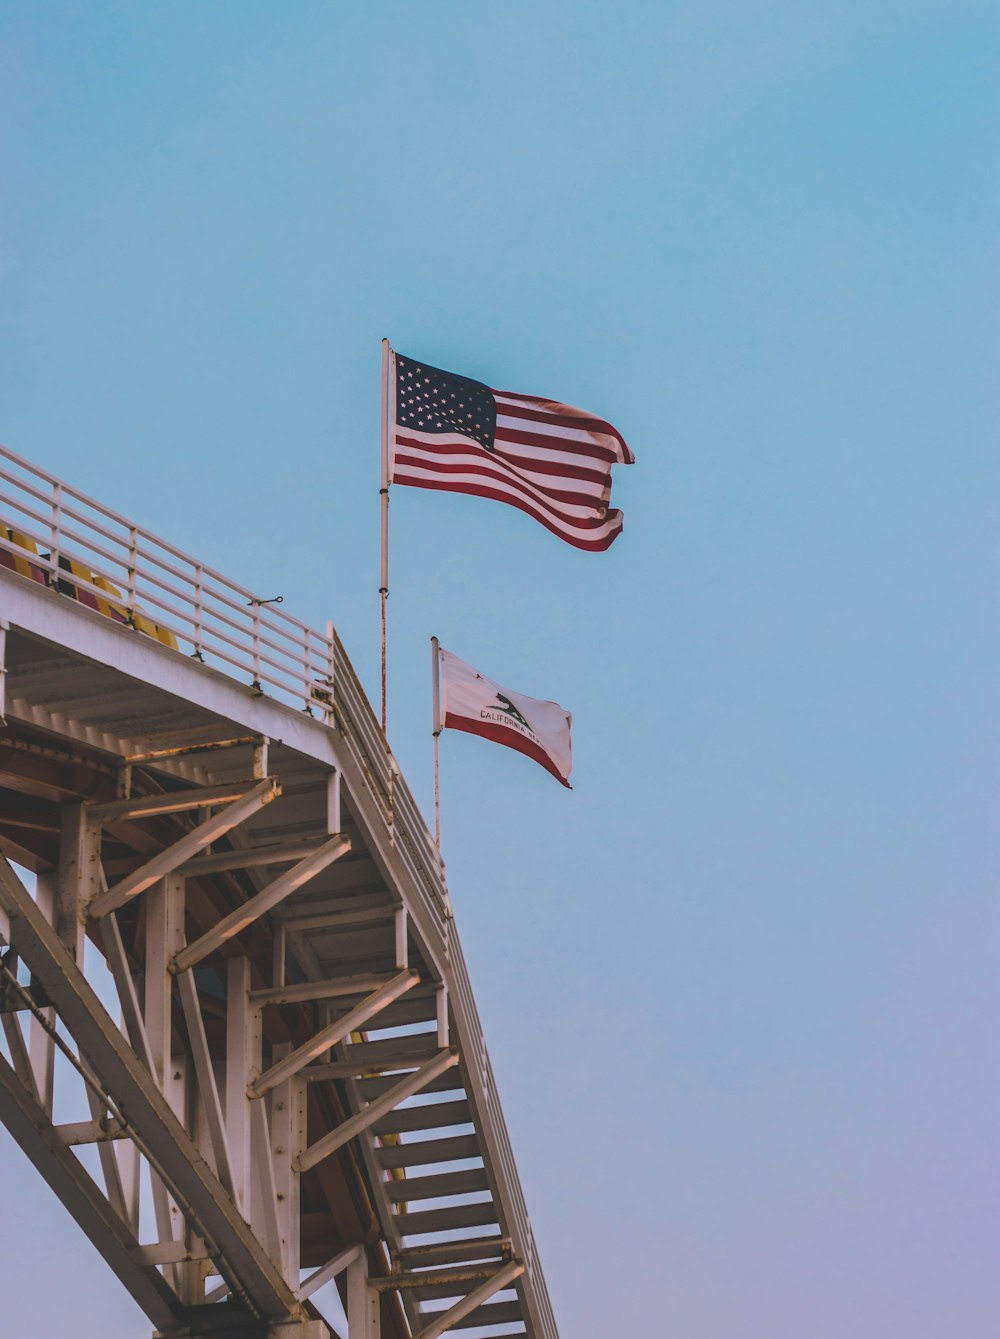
{"x":549,"y":459}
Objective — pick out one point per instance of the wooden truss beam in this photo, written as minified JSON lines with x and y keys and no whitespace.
{"x":255,"y":907}
{"x":40,"y":1140}
{"x":197,"y":1191}
{"x":374,"y":1110}
{"x":467,"y":1305}
{"x":168,"y":860}
{"x":334,"y":1032}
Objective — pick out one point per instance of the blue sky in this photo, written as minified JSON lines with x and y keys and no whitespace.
{"x":740,"y":986}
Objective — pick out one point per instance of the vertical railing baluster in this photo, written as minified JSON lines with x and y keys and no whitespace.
{"x":133,"y":572}
{"x":199,"y":609}
{"x":307,"y":681}
{"x":256,"y":647}
{"x":55,"y":528}
{"x":331,"y":673}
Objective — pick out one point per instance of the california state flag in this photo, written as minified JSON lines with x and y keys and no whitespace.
{"x":471,"y":702}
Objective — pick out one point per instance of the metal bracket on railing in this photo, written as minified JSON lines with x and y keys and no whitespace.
{"x":275,"y":599}
{"x":321,"y":692}
{"x":4,"y":625}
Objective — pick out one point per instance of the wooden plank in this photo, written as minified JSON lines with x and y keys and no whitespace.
{"x":446,"y":1220}
{"x":434,"y":1292}
{"x":428,"y":1151}
{"x":451,"y":1081}
{"x":170,"y":802}
{"x":415,"y":1188}
{"x":428,"y":1116}
{"x":454,"y":1252}
{"x":327,"y":989}
{"x":493,"y":1313}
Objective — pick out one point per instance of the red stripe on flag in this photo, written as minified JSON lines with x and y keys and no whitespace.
{"x":612,"y":522}
{"x":526,"y":486}
{"x":501,"y":734}
{"x":557,"y":468}
{"x":553,"y":412}
{"x":592,"y":450}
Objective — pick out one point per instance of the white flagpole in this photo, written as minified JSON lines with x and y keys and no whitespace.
{"x":384,"y":507}
{"x":436,"y":682}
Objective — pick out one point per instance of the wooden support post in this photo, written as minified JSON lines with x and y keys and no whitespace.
{"x":263,"y":1192}
{"x":210,"y":1103}
{"x":334,"y":822}
{"x":41,"y":1047}
{"x":402,"y":937}
{"x":363,"y":1305}
{"x":164,"y":935}
{"x":78,"y":877}
{"x":288,"y":1140}
{"x":242,"y":1044}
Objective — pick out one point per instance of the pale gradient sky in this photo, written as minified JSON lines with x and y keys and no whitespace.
{"x":740,"y":987}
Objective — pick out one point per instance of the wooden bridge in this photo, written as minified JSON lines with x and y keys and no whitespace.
{"x":241,"y":1045}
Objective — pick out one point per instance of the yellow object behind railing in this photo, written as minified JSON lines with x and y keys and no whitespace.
{"x":23,"y":566}
{"x":114,"y":608}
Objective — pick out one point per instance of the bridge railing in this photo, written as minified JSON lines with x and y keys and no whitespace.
{"x":80,"y":548}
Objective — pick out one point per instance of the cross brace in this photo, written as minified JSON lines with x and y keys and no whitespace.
{"x":374,"y":1110}
{"x":159,"y":1133}
{"x":468,"y":1304}
{"x":166,"y":861}
{"x":334,"y":1032}
{"x":255,"y":907}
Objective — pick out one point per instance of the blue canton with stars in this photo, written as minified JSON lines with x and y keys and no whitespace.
{"x":429,"y":400}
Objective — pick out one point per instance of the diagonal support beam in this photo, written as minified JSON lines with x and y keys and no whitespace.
{"x":33,"y":1131}
{"x":19,"y":1052}
{"x":192,"y":842}
{"x":170,"y":802}
{"x":205,"y":1075}
{"x":468,"y":1304}
{"x":334,"y":1032}
{"x":269,"y":897}
{"x":108,"y":1160}
{"x":249,"y":857}
{"x":111,"y":937}
{"x":136,"y":1029}
{"x":374,"y":1111}
{"x":319,"y":990}
{"x":329,"y":1271}
{"x":171,"y":1151}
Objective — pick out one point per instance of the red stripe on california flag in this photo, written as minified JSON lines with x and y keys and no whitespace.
{"x":501,"y":734}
